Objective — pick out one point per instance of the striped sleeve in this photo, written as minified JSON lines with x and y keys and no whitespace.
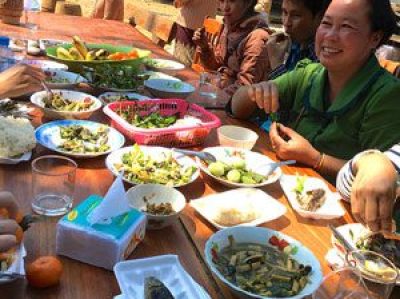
{"x":345,"y":178}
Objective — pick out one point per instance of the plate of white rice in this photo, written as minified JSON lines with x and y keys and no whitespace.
{"x":17,"y":139}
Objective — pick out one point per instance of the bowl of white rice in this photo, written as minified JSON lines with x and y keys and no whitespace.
{"x":17,"y":139}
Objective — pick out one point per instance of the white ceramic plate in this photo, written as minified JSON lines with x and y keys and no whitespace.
{"x":332,"y":207}
{"x":113,"y":96}
{"x":159,"y":75}
{"x":254,"y":161}
{"x":156,"y":153}
{"x":254,"y":201}
{"x":46,"y":64}
{"x":164,"y":65}
{"x":25,"y":157}
{"x":64,"y":79}
{"x":37,"y":99}
{"x":258,"y":235}
{"x":48,"y":135}
{"x":167,"y":88}
{"x":167,"y":268}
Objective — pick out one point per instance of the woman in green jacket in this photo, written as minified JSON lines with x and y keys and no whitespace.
{"x":343,"y":105}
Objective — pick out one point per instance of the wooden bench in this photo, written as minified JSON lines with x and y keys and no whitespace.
{"x":161,"y":28}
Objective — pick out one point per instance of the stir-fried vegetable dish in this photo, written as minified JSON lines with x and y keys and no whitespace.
{"x":59,"y":103}
{"x":151,"y":121}
{"x":262,"y":269}
{"x":139,"y":168}
{"x":235,"y":171}
{"x":78,"y":139}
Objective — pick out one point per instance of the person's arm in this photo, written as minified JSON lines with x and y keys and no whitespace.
{"x":8,"y":227}
{"x":205,"y":50}
{"x":98,"y":11}
{"x":114,"y":10}
{"x":369,"y":181}
{"x":181,"y":3}
{"x":19,"y":80}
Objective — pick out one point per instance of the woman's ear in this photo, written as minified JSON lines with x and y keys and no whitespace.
{"x":376,"y":38}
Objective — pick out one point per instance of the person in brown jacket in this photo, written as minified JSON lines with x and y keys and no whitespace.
{"x":240,"y":53}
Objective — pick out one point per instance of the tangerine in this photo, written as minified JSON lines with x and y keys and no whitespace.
{"x":44,"y":272}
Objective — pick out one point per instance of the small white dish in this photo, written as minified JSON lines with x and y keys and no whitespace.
{"x":159,"y":75}
{"x":236,"y":136}
{"x":254,"y":161}
{"x":58,"y":79}
{"x":166,"y":88}
{"x":113,"y":96}
{"x":18,"y":266}
{"x":46,"y":64}
{"x":332,"y":207}
{"x":164,"y":65}
{"x":258,"y":235}
{"x":156,"y":194}
{"x":75,"y":96}
{"x":252,"y":201}
{"x":48,"y":135}
{"x":157,"y":153}
{"x":11,"y":161}
{"x":131,"y":277}
{"x":45,"y":43}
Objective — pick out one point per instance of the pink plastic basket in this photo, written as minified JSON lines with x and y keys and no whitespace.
{"x":184,"y":136}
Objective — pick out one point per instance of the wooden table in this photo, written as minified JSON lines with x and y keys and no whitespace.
{"x":186,"y":237}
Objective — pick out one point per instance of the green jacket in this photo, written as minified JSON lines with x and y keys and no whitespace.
{"x":366,"y":113}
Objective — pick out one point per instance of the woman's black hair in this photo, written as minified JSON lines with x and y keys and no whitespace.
{"x":317,"y":7}
{"x":383,"y":19}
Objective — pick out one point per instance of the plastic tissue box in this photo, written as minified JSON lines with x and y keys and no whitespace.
{"x":102,"y":245}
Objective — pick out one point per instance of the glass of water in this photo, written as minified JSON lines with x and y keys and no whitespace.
{"x":53,"y":184}
{"x":32,"y":14}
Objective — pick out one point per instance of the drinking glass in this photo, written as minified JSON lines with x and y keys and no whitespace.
{"x":32,"y":14}
{"x":344,"y":283}
{"x":53,"y":185}
{"x":379,"y":273}
{"x":209,"y":84}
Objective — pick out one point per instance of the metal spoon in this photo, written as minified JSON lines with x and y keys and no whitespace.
{"x":202,"y":155}
{"x":275,"y":165}
{"x":50,"y":94}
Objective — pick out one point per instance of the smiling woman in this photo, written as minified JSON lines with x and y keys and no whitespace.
{"x":343,"y":105}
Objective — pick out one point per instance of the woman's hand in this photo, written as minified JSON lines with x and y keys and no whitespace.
{"x":19,"y":80}
{"x":374,"y":191}
{"x":8,"y":227}
{"x":200,"y":38}
{"x":289,"y":145}
{"x":265,"y":95}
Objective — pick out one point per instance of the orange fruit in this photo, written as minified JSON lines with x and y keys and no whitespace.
{"x":44,"y":272}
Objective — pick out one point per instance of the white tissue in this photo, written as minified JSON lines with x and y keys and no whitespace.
{"x":114,"y":204}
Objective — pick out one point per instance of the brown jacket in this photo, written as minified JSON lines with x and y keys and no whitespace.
{"x":240,"y":54}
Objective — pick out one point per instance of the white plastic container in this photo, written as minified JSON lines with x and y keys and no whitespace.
{"x":166,"y":268}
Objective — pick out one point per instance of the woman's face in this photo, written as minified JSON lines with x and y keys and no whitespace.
{"x":344,"y":40}
{"x":299,"y":22}
{"x":233,"y":10}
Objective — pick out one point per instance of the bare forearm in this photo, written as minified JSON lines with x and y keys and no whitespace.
{"x":331,"y":165}
{"x":242,"y":106}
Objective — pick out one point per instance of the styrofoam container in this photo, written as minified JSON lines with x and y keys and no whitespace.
{"x":236,"y":136}
{"x":37,"y":99}
{"x":264,"y":206}
{"x":18,"y":266}
{"x":72,"y":79}
{"x":331,"y":209}
{"x":156,"y":194}
{"x":25,"y":157}
{"x":167,"y":268}
{"x":258,"y":235}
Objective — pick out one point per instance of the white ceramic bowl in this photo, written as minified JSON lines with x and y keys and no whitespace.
{"x":37,"y":99}
{"x":169,"y":89}
{"x":156,"y":194}
{"x":71,"y":79}
{"x":235,"y":136}
{"x":258,"y":235}
{"x":167,"y":66}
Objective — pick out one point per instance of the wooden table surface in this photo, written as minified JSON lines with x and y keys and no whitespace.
{"x":185,"y":238}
